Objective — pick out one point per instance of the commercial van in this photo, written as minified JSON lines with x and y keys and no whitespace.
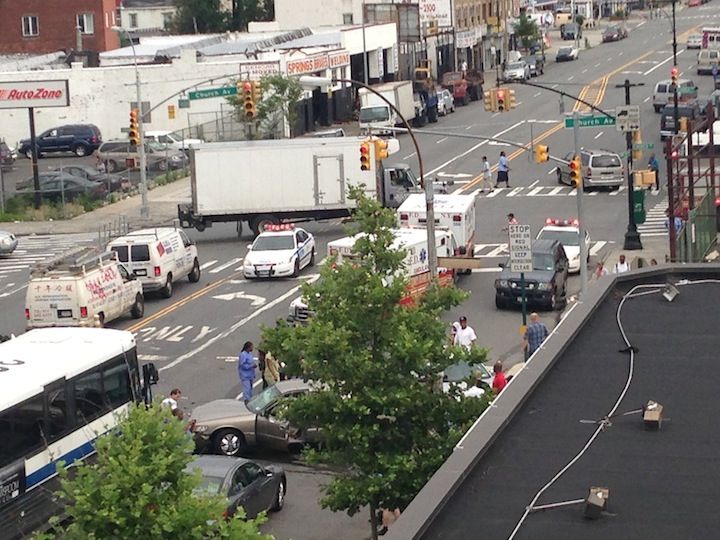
{"x":706,"y":59}
{"x":663,"y":94}
{"x":81,"y":288}
{"x":158,"y":257}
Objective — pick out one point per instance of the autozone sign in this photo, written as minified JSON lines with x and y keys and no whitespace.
{"x":18,"y":95}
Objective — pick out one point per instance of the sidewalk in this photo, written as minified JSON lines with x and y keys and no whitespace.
{"x":162,"y":201}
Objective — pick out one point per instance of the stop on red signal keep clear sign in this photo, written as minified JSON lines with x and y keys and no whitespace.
{"x":520,"y":244}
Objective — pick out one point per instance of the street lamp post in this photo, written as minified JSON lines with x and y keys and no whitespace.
{"x":144,"y":207}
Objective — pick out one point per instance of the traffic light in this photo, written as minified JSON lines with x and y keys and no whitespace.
{"x":674,"y":75}
{"x":575,"y":172}
{"x":248,"y":100}
{"x":542,"y":153}
{"x":171,"y":112}
{"x":365,"y":156}
{"x":381,"y":149}
{"x":257,"y":91}
{"x":683,"y":123}
{"x":134,"y":133}
{"x":512,"y":102}
{"x":500,"y":99}
{"x":489,"y":100}
{"x":636,"y":148}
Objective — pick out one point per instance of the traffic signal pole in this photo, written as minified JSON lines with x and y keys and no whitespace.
{"x":581,"y":218}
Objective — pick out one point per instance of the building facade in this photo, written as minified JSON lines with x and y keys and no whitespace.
{"x":45,"y":26}
{"x":146,"y":14}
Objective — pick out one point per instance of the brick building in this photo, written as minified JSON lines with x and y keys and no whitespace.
{"x":45,"y":26}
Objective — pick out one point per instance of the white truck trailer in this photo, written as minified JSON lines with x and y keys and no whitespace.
{"x":290,"y":180}
{"x":375,"y":114}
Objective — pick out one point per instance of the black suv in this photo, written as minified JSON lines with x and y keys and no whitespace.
{"x":545,"y":286}
{"x":81,"y":139}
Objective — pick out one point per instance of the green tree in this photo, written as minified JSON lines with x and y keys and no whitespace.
{"x":138,"y":488}
{"x":246,"y":11}
{"x":199,"y":17}
{"x":526,"y":29}
{"x":386,"y":422}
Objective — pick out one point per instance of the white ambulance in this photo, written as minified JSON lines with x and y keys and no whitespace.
{"x":81,"y":288}
{"x":455,"y":213}
{"x":158,"y":257}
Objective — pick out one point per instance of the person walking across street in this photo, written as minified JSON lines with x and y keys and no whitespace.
{"x":499,"y":380}
{"x":246,"y":370}
{"x":503,"y":170}
{"x":511,"y":220}
{"x":486,"y":181}
{"x":465,"y":335}
{"x":535,"y":334}
{"x":654,"y":166}
{"x":271,"y":375}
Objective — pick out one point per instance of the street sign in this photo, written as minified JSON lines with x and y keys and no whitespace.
{"x":520,"y":244}
{"x":643,"y":146}
{"x":213,"y":92}
{"x":183,"y":103}
{"x":687,"y":90}
{"x":628,"y":118}
{"x":591,"y":121}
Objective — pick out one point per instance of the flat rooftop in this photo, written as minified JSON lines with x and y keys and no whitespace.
{"x":663,"y":484}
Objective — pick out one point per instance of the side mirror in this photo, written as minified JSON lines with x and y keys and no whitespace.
{"x":249,"y":247}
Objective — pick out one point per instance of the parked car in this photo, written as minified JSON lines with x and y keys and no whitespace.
{"x":229,"y":426}
{"x":68,"y":187}
{"x":171,"y":140}
{"x":8,"y":242}
{"x":614,"y":32}
{"x":114,"y":182}
{"x":663,"y":93}
{"x":114,"y":155}
{"x":545,"y":284}
{"x":243,"y":482}
{"x":566,"y":54}
{"x":694,"y":41}
{"x":516,"y":71}
{"x":80,"y":139}
{"x":600,"y":168}
{"x":536,"y":63}
{"x":7,"y":159}
{"x":570,"y":31}
{"x":446,"y":102}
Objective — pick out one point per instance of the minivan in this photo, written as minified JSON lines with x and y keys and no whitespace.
{"x":115,"y":154}
{"x":80,"y":139}
{"x":689,"y":110}
{"x":663,"y":94}
{"x":600,"y":168}
{"x":706,"y":59}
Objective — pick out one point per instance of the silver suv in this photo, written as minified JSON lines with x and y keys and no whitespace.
{"x":600,"y":168}
{"x":114,"y":156}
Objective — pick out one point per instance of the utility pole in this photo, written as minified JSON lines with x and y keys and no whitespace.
{"x":581,"y":218}
{"x":676,"y":111}
{"x":366,"y":67}
{"x":632,"y":237}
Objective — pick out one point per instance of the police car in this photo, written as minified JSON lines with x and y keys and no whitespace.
{"x":279,"y":251}
{"x":567,"y":232}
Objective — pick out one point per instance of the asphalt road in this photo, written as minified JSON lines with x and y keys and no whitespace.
{"x":194,"y":337}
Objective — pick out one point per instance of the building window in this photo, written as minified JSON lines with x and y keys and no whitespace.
{"x":133,"y":20}
{"x":347,"y":18}
{"x":86,"y":23}
{"x":167,"y":20}
{"x":30,"y":25}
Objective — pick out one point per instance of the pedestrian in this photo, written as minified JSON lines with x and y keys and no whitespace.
{"x":486,"y":179}
{"x":246,"y":370}
{"x":503,"y":170}
{"x":271,"y":375}
{"x":600,"y":270}
{"x":654,"y":166}
{"x":499,"y":380}
{"x":172,"y":401}
{"x":510,"y":221}
{"x":465,"y":335}
{"x":677,"y":222}
{"x":463,"y":68}
{"x":621,"y":266}
{"x":535,"y":334}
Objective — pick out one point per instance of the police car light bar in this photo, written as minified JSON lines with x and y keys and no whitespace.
{"x":281,"y":227}
{"x":562,"y":222}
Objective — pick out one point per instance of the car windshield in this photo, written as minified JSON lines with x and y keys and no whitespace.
{"x":516,"y":65}
{"x":543,"y":261}
{"x":265,"y":398}
{"x":374,"y":114}
{"x":606,"y":160}
{"x":564,"y":50}
{"x":566,"y":238}
{"x":274,"y":243}
{"x":209,"y":485}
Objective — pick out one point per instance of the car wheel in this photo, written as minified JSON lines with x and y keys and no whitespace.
{"x":657,"y":109}
{"x":499,"y":302}
{"x":194,"y":275}
{"x":167,"y":290}
{"x":559,"y":176}
{"x":111,"y":165}
{"x":138,"y":309}
{"x":563,"y":299}
{"x":279,"y":496}
{"x":162,"y":165}
{"x":553,"y":302}
{"x":296,"y":269}
{"x":312,"y":258}
{"x":81,"y":150}
{"x":228,"y":442}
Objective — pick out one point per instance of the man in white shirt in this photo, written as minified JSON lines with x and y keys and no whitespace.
{"x":465,"y":335}
{"x":172,"y":401}
{"x":621,"y":266}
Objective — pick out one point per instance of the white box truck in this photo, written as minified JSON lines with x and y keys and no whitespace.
{"x":375,"y":113}
{"x":291,"y":180}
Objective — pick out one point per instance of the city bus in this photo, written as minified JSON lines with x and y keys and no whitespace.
{"x":60,"y":388}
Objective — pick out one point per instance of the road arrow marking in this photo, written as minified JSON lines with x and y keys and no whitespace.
{"x":240,"y":295}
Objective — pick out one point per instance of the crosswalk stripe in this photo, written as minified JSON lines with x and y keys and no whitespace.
{"x":597,"y":247}
{"x":207,"y":264}
{"x":226,"y":265}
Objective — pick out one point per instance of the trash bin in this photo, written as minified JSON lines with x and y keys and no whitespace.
{"x":639,"y":206}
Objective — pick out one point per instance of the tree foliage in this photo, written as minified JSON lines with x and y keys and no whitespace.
{"x":246,"y":11}
{"x":138,"y":488}
{"x":385,"y":420}
{"x":199,"y":17}
{"x":527,"y":30}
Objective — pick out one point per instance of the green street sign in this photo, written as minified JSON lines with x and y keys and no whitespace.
{"x":687,"y":90}
{"x":213,"y":92}
{"x":183,"y":103}
{"x":642,"y":146}
{"x":591,"y":121}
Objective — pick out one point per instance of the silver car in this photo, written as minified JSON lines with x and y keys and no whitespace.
{"x":8,"y":243}
{"x":517,"y":71}
{"x":600,"y":168}
{"x":446,"y":102}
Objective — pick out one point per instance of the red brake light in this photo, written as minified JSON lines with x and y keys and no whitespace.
{"x":589,"y":172}
{"x":27,"y":312}
{"x":457,"y":217}
{"x":157,"y":271}
{"x":83,"y":312}
{"x":403,"y":217}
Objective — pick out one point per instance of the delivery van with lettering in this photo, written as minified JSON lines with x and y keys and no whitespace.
{"x":81,"y":288}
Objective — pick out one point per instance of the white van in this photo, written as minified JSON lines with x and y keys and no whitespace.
{"x":663,"y":93}
{"x":171,"y":140}
{"x":706,"y":59}
{"x":158,"y":257}
{"x":81,"y":288}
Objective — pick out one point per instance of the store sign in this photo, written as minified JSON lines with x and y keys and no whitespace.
{"x":438,"y":12}
{"x":339,"y":59}
{"x":310,"y":64}
{"x":18,"y":95}
{"x":465,"y":38}
{"x":258,"y":70}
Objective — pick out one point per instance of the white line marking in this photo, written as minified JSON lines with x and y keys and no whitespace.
{"x":226,"y":265}
{"x":533,"y":184}
{"x":571,"y":77}
{"x":205,"y":265}
{"x":537,"y":94}
{"x":620,"y":53}
{"x":597,"y":65}
{"x":441,"y":140}
{"x":554,"y":86}
{"x":598,"y":135}
{"x":597,"y":247}
{"x":487,"y":270}
{"x":502,"y":248}
{"x":556,"y":190}
{"x":10,"y":293}
{"x":495,"y":192}
{"x":646,"y":99}
{"x":494,"y":115}
{"x":551,"y":171}
{"x":514,"y":192}
{"x":584,"y":70}
{"x":409,"y":156}
{"x":668,"y":59}
{"x":468,"y":128}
